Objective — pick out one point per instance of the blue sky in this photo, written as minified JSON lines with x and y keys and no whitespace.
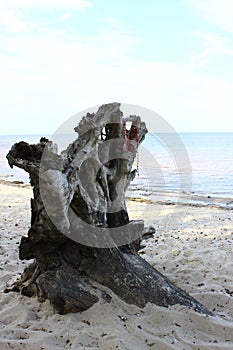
{"x":59,"y":57}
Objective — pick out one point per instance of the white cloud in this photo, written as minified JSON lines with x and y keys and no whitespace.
{"x":55,"y":68}
{"x":62,"y":73}
{"x":219,"y":12}
{"x":14,"y":13}
{"x":61,"y":78}
{"x":213,"y":45}
{"x":13,"y":22}
{"x":65,"y":16}
{"x":46,"y":5}
{"x":218,"y":44}
{"x":202,"y":58}
{"x":51,"y":48}
{"x":113,"y":22}
{"x":19,"y":100}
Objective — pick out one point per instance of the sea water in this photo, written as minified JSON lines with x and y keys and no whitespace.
{"x":200,"y":164}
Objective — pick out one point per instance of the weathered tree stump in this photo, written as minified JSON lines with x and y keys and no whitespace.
{"x":80,"y":230}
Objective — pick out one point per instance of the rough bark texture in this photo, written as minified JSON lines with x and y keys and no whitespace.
{"x":80,"y":230}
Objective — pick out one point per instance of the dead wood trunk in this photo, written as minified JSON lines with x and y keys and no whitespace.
{"x":80,"y":230}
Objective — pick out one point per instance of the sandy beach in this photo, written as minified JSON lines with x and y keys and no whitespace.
{"x":192,"y":246}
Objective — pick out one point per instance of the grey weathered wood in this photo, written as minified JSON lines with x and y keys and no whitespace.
{"x":63,"y":269}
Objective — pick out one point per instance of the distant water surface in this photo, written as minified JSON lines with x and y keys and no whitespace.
{"x":210,"y":161}
{"x":164,"y":167}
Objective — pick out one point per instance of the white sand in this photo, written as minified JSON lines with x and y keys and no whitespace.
{"x":192,"y":246}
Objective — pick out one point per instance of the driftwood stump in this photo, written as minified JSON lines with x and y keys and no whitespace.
{"x":80,"y":230}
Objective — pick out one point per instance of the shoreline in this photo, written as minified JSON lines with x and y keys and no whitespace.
{"x":160,"y":198}
{"x":198,"y":202}
{"x":14,"y":183}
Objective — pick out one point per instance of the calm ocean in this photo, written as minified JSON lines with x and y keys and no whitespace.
{"x":206,"y":169}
